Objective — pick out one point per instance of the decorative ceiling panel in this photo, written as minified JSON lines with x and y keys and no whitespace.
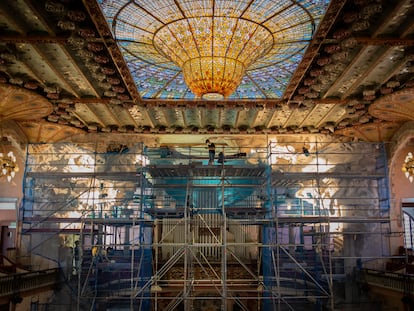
{"x":104,"y":113}
{"x":85,"y":112}
{"x":193,"y":118}
{"x":122,"y":115}
{"x":140,"y":116}
{"x":158,"y":117}
{"x":318,"y":112}
{"x":296,"y":116}
{"x":333,"y":113}
{"x":228,"y":118}
{"x":280,"y":117}
{"x":210,"y":117}
{"x":262,"y":118}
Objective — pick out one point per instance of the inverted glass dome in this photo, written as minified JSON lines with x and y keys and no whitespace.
{"x":213,"y":49}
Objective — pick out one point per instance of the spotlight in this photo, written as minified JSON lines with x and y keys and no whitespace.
{"x":305,"y":151}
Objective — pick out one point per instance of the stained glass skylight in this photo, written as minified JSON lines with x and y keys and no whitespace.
{"x":187,"y":49}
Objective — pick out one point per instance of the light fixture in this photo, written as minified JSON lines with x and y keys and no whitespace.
{"x":213,"y":51}
{"x":408,"y":166}
{"x":8,"y":164}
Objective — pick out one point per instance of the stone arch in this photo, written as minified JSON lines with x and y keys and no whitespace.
{"x":400,"y":187}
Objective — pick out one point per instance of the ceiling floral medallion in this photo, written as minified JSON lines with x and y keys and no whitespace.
{"x":398,"y":106}
{"x":40,"y":132}
{"x":20,"y":104}
{"x":373,"y":132}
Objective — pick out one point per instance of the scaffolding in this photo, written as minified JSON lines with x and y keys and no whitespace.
{"x":76,"y":193}
{"x":273,"y":228}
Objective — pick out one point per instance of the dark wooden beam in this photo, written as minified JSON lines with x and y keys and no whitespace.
{"x":33,"y":39}
{"x":385,"y":41}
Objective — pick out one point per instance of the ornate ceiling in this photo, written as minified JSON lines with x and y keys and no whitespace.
{"x":158,"y":38}
{"x":72,"y":67}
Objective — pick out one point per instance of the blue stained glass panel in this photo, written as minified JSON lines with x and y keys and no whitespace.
{"x":136,"y":23}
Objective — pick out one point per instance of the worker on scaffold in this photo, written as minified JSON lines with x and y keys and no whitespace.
{"x":211,"y":152}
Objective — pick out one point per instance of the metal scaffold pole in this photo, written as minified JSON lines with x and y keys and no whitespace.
{"x":224,"y":252}
{"x":187,"y":284}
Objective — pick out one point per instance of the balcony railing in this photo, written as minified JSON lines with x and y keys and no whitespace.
{"x":19,"y":283}
{"x":399,"y":282}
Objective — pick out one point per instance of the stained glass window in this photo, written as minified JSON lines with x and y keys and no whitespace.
{"x":185,"y":49}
